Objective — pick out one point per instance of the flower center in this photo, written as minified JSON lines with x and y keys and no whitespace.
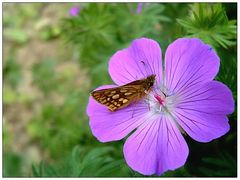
{"x":161,"y":101}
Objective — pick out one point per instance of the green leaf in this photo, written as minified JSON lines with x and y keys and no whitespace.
{"x":96,"y":162}
{"x":35,"y":171}
{"x":209,"y":22}
{"x":12,"y":164}
{"x":111,"y":168}
{"x":97,"y":152}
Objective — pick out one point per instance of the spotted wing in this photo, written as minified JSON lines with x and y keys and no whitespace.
{"x":119,"y":97}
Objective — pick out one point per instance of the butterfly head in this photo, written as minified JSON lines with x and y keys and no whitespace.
{"x":150,"y":81}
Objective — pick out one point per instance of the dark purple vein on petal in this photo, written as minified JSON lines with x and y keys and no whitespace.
{"x":184,"y":123}
{"x":170,"y":72}
{"x":142,"y":127}
{"x":197,"y":96}
{"x":130,"y":74}
{"x":147,"y":133}
{"x":214,"y":127}
{"x":158,"y":63}
{"x":188,"y":87}
{"x":145,"y":136}
{"x":168,"y":141}
{"x":176,"y":67}
{"x":145,"y":57}
{"x":128,"y":80}
{"x":99,"y":113}
{"x":187,"y":82}
{"x":179,"y":80}
{"x":175,"y":133}
{"x":137,"y":53}
{"x":194,"y":121}
{"x":135,"y":119}
{"x":157,"y":146}
{"x":156,"y":134}
{"x":196,"y":110}
{"x":193,"y":94}
{"x":196,"y":100}
{"x":192,"y":61}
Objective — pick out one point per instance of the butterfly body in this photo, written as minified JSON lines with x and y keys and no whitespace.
{"x":121,"y":96}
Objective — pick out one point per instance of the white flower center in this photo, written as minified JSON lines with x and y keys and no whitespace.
{"x":161,"y":101}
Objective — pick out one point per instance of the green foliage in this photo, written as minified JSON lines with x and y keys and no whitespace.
{"x":131,"y":25}
{"x":228,"y":71}
{"x":14,"y":20}
{"x":51,"y":78}
{"x":177,"y":173}
{"x":6,"y":135}
{"x":11,"y":165}
{"x":17,"y":18}
{"x":224,"y":166}
{"x":50,"y":32}
{"x":10,"y":96}
{"x":90,"y":29}
{"x":99,"y":29}
{"x":99,"y":74}
{"x":171,"y":30}
{"x":12,"y":72}
{"x":96,"y":163}
{"x":44,"y":75}
{"x":210,"y":23}
{"x":62,"y":126}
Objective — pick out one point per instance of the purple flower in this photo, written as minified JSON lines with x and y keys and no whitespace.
{"x":139,"y":8}
{"x":74,"y":11}
{"x":184,"y":98}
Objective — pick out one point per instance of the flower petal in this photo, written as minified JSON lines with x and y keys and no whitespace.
{"x":189,"y":63}
{"x":143,"y":58}
{"x":202,"y":112}
{"x":156,"y":146}
{"x":109,"y":126}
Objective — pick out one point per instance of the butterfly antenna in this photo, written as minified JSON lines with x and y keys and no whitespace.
{"x":145,"y":68}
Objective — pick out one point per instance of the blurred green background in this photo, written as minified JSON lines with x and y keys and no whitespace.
{"x":52,"y":60}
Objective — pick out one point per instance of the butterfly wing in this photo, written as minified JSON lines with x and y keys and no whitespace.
{"x":119,"y":97}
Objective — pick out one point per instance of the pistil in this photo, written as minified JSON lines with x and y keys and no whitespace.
{"x":159,"y":99}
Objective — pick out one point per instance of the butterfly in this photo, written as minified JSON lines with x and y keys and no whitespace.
{"x":121,"y":96}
